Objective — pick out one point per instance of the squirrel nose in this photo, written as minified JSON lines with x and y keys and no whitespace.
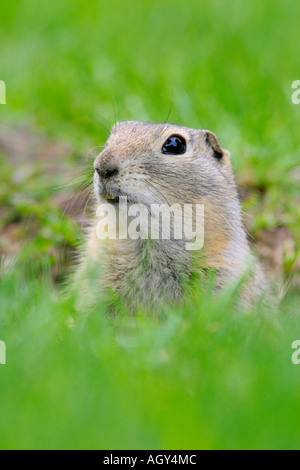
{"x":107,"y":170}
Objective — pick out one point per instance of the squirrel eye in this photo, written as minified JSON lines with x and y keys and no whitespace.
{"x":174,"y":145}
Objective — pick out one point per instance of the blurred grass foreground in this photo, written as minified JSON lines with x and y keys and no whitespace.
{"x":203,"y":375}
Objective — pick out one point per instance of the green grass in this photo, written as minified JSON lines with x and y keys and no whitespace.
{"x":204,"y":375}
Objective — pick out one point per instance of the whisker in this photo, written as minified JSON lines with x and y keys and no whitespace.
{"x":170,"y":108}
{"x":91,"y":149}
{"x":158,"y":191}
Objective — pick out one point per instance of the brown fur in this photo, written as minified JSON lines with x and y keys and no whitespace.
{"x":143,"y":272}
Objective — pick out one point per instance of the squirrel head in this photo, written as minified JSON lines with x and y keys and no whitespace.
{"x":162,"y":163}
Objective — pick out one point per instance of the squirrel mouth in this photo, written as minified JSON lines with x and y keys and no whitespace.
{"x":111,"y":198}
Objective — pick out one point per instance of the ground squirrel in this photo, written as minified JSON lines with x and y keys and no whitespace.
{"x":169,"y":164}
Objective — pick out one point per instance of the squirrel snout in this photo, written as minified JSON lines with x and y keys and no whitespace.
{"x":107,"y":170}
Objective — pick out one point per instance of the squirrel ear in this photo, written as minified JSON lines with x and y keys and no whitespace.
{"x":212,"y":142}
